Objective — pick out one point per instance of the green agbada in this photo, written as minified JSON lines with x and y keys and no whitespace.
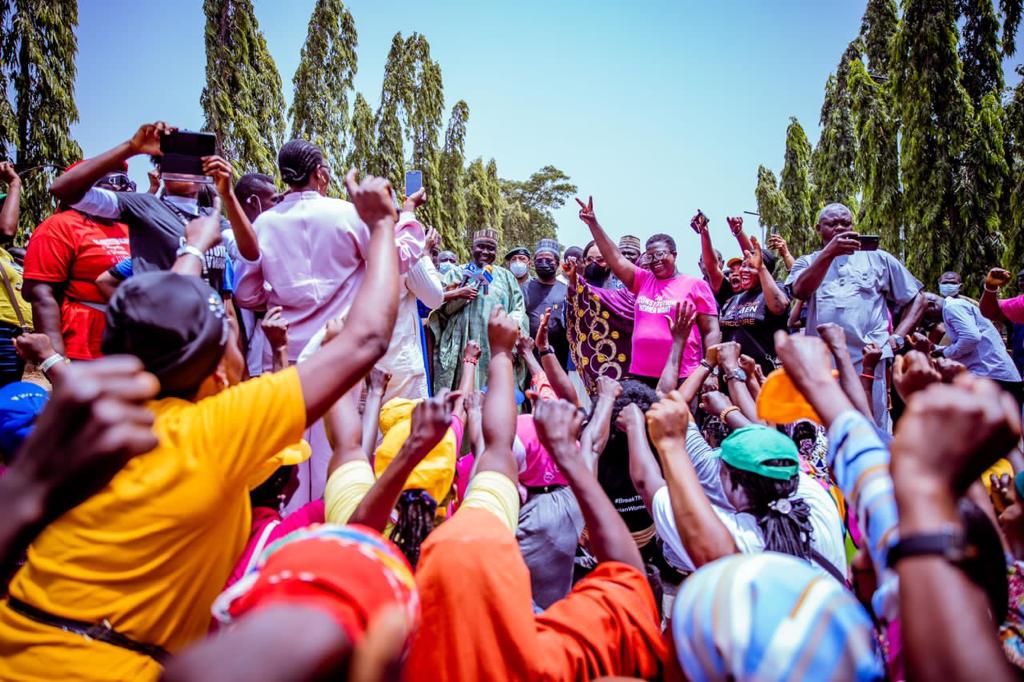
{"x":458,"y":321}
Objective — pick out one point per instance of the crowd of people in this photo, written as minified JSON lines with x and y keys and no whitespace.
{"x":291,"y":437}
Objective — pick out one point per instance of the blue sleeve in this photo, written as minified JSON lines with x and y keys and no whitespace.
{"x":123,"y":269}
{"x":229,"y":277}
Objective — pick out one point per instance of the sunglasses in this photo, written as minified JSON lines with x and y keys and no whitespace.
{"x":119,"y":182}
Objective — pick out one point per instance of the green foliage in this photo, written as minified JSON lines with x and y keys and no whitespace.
{"x":1011,"y":11}
{"x":877,"y":28}
{"x":389,"y":156}
{"x":835,"y":157}
{"x":242,"y":100}
{"x":323,"y":81}
{"x":979,"y":49}
{"x":877,"y":158}
{"x":452,"y":197}
{"x":484,"y":203}
{"x":528,"y":206}
{"x":796,"y":223}
{"x":38,"y":52}
{"x":937,"y":116}
{"x":424,"y":109}
{"x":1014,"y":210}
{"x":981,"y":179}
{"x":772,"y":205}
{"x":362,"y":151}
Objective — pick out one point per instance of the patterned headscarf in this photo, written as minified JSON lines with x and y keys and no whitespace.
{"x":349,"y":572}
{"x":771,"y":617}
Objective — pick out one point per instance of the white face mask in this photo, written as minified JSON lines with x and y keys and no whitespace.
{"x":445,"y":267}
{"x":949,"y":290}
{"x":519,"y":269}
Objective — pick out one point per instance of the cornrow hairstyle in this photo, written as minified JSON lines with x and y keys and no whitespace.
{"x":297,"y":160}
{"x":416,"y":509}
{"x":655,"y":238}
{"x":789,"y":533}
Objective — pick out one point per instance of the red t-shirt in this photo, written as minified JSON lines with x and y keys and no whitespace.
{"x":72,"y":250}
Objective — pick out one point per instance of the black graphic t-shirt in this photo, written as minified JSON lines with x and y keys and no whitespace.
{"x":613,"y":476}
{"x":745,"y":319}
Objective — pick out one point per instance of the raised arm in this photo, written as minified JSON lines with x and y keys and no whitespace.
{"x":557,"y":377}
{"x":912,"y":314}
{"x":499,"y":411}
{"x":701,"y":532}
{"x":618,"y":263}
{"x":71,"y":187}
{"x":729,"y":361}
{"x":810,"y":278}
{"x":736,"y":227}
{"x":46,"y":315}
{"x":710,"y":332}
{"x":223,"y":178}
{"x":989,"y":303}
{"x":201,"y":235}
{"x":558,"y":423}
{"x":680,"y":323}
{"x":338,"y":365}
{"x":11,"y":211}
{"x":643,"y":467}
{"x":378,"y":384}
{"x":778,"y":244}
{"x":852,"y":384}
{"x":595,"y":435}
{"x":344,"y":431}
{"x":275,"y":328}
{"x":430,"y":421}
{"x":699,"y":223}
{"x":775,"y":298}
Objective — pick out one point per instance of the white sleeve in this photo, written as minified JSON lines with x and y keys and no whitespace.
{"x":251,"y":288}
{"x":101,"y":203}
{"x":424,"y":281}
{"x":665,"y":527}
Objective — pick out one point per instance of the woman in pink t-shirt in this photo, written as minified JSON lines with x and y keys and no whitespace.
{"x":657,"y":292}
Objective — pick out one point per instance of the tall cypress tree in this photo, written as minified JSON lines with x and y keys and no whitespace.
{"x":424,"y":111}
{"x":877,"y":28}
{"x":38,"y":50}
{"x":1011,"y":11}
{"x":979,"y":49}
{"x":362,"y":150}
{"x":242,"y":100}
{"x":835,"y":157}
{"x":1014,"y":209}
{"x":772,"y":206}
{"x":877,"y":158}
{"x":797,"y":191}
{"x":981,"y":180}
{"x":936,"y":115}
{"x":323,"y":81}
{"x":389,"y":156}
{"x":452,"y":199}
{"x":484,"y":203}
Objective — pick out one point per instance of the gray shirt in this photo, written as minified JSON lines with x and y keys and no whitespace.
{"x":854,"y":293}
{"x":975,"y":343}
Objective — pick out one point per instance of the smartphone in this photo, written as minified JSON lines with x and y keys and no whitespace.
{"x":868,"y":242}
{"x":182,"y":155}
{"x":413,"y":182}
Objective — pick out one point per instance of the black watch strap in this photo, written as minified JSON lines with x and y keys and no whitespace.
{"x":949,"y":544}
{"x":547,"y":351}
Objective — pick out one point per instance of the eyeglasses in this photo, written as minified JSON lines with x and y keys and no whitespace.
{"x":118,"y":182}
{"x":659,"y":254}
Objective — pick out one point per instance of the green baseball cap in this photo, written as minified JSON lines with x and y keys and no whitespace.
{"x":751,"y":447}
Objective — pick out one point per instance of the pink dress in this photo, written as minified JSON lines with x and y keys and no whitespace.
{"x":652,"y":338}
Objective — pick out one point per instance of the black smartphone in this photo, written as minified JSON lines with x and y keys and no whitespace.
{"x":413,"y":182}
{"x":868,"y":242}
{"x":182,"y":155}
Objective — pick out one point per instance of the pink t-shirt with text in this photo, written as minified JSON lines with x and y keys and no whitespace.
{"x":1013,"y":309}
{"x":539,"y":469}
{"x":652,"y":338}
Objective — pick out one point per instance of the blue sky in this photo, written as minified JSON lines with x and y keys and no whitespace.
{"x":655,"y":108}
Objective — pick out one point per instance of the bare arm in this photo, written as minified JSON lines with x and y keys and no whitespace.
{"x":595,"y":435}
{"x":46,"y":316}
{"x":912,"y":315}
{"x":643,"y":467}
{"x":338,"y":365}
{"x":11,"y":211}
{"x":344,"y":429}
{"x":810,"y":278}
{"x":558,"y":422}
{"x":707,"y":254}
{"x":618,"y":263}
{"x":989,"y":305}
{"x":499,"y":411}
{"x":701,"y":532}
{"x":107,"y":284}
{"x":856,"y":387}
{"x":379,"y":379}
{"x":557,"y":377}
{"x":680,"y":323}
{"x":245,"y":237}
{"x":709,"y":329}
{"x":729,"y":359}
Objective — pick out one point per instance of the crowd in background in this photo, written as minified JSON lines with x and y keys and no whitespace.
{"x":292,"y":436}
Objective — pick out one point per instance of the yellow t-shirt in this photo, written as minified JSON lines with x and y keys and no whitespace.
{"x":151,"y":551}
{"x":7,"y":313}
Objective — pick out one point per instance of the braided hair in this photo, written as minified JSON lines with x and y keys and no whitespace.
{"x":785,"y":522}
{"x":297,"y":160}
{"x":416,"y":509}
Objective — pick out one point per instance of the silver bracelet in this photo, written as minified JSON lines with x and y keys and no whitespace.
{"x":49,"y":362}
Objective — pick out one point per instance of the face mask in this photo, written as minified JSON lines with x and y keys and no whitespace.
{"x":544,"y":270}
{"x":519,"y":269}
{"x":949,"y":290}
{"x":595,"y":274}
{"x":443,"y":268}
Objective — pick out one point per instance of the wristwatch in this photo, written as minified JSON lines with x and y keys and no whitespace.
{"x":188,"y":248}
{"x":547,"y":351}
{"x":900,"y":341}
{"x":949,"y":543}
{"x":706,"y":365}
{"x":739,"y":374}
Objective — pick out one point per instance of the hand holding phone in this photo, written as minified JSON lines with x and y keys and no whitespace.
{"x":181,"y":155}
{"x":868,"y":242}
{"x":413,"y":182}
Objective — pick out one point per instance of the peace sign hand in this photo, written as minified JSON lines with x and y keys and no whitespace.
{"x":587,"y":212}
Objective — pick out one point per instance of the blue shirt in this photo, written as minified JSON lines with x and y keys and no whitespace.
{"x":975,"y":343}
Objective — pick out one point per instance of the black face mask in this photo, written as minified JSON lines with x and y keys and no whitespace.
{"x":545,"y":271}
{"x":595,"y":274}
